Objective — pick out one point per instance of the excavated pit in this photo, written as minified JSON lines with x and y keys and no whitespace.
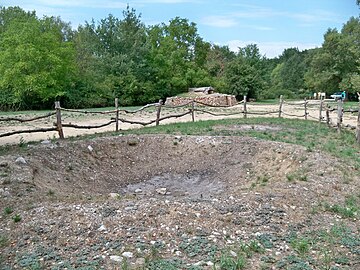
{"x":84,"y":204}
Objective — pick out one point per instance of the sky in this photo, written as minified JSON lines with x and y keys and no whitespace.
{"x":271,"y":24}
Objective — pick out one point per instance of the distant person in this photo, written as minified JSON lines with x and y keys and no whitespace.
{"x":343,"y":95}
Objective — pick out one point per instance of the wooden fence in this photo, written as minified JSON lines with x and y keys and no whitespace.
{"x":244,"y":108}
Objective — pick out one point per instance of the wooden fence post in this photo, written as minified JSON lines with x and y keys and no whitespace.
{"x":339,"y":114}
{"x":58,"y":120}
{"x":305,"y":105}
{"x":358,"y":125}
{"x":327,"y":115}
{"x":321,"y":108}
{"x":280,"y":105}
{"x":117,"y":114}
{"x":193,"y":110}
{"x":245,"y":110}
{"x":158,"y":112}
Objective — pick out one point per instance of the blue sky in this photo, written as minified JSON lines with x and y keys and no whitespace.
{"x":272,"y":24}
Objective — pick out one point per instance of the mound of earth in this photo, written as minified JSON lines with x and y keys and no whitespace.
{"x":157,"y":202}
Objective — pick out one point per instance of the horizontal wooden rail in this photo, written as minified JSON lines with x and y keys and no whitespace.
{"x":153,"y":121}
{"x":26,"y":120}
{"x":87,"y":112}
{"x":27,"y":131}
{"x":218,"y":114}
{"x":87,"y":127}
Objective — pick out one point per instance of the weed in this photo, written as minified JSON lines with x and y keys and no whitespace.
{"x":251,"y":248}
{"x":175,"y":142}
{"x":8,"y":210}
{"x":125,"y":264}
{"x":22,"y":143}
{"x":17,"y":218}
{"x":162,"y":264}
{"x":263,"y":179}
{"x":290,"y":177}
{"x":346,"y":212}
{"x":301,"y":245}
{"x":227,"y":262}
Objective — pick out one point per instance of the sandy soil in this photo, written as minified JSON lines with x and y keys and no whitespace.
{"x":290,"y":111}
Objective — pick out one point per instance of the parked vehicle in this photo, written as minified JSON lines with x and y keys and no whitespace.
{"x":339,"y":95}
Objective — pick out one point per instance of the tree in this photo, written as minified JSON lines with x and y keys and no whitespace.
{"x":334,"y":65}
{"x":245,"y":74}
{"x":36,"y":60}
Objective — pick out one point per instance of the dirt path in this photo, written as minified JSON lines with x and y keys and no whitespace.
{"x":95,"y":119}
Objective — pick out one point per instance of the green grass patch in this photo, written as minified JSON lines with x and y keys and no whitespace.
{"x":300,"y":132}
{"x":350,"y":208}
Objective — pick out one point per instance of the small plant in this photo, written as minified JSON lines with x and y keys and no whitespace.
{"x":227,"y":262}
{"x":349,"y":210}
{"x":17,"y":218}
{"x":8,"y":210}
{"x":22,"y":143}
{"x":175,"y":142}
{"x":51,"y":193}
{"x":290,"y":177}
{"x":256,"y":247}
{"x":125,"y":264}
{"x":301,"y":245}
{"x":263,"y":180}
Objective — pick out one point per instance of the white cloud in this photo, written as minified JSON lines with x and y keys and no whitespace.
{"x":271,"y":49}
{"x":219,"y":21}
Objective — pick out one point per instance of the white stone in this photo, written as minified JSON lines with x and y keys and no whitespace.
{"x":116,"y":258}
{"x":161,"y":191}
{"x":128,"y":254}
{"x":114,"y":195}
{"x":233,"y":253}
{"x":138,"y":190}
{"x":102,"y":228}
{"x":198,"y":263}
{"x":20,"y":161}
{"x":90,"y":148}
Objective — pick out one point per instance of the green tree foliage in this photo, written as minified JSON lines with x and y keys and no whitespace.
{"x":245,"y":74}
{"x":178,"y":57}
{"x":37,"y":64}
{"x":336,"y":65}
{"x":43,"y":60}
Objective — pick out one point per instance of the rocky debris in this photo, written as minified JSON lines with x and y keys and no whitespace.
{"x":116,"y":258}
{"x":4,"y":164}
{"x":20,"y":161}
{"x":114,"y":195}
{"x":212,"y":100}
{"x":161,"y":191}
{"x":209,"y":204}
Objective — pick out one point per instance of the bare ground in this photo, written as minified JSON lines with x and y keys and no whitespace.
{"x":176,"y":202}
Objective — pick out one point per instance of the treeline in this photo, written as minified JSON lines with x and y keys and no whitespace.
{"x":44,"y":59}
